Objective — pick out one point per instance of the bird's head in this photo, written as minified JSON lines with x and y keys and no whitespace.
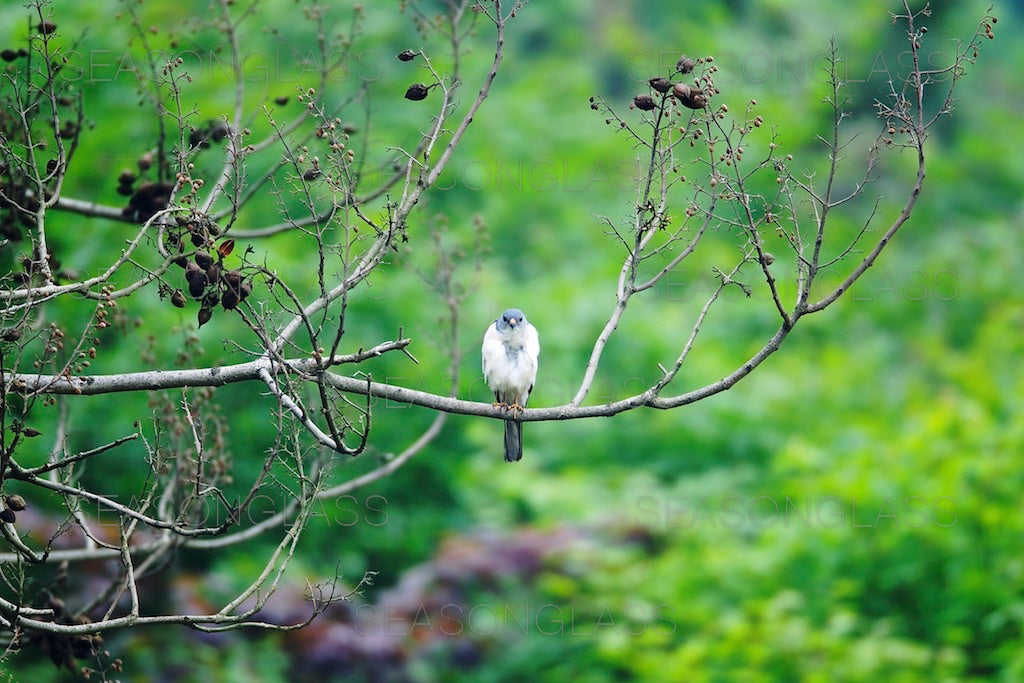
{"x":511,"y":319}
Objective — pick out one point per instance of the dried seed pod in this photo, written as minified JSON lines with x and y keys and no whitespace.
{"x":406,"y":56}
{"x":15,"y":502}
{"x":46,"y":27}
{"x":82,"y":647}
{"x":125,"y":190}
{"x":281,"y":101}
{"x":213,"y":273}
{"x":235,"y":290}
{"x":229,"y":299}
{"x":416,"y":91}
{"x":30,"y":433}
{"x":178,"y":299}
{"x":211,"y":299}
{"x":685,"y":65}
{"x":10,"y":334}
{"x":7,"y":515}
{"x":232,"y":278}
{"x":681,"y":90}
{"x":204,"y":315}
{"x":197,"y":286}
{"x":192,"y":271}
{"x":126,"y":177}
{"x":150,"y":198}
{"x":662,"y":85}
{"x":8,"y":55}
{"x":695,"y":99}
{"x":644,"y":102}
{"x":219,"y":130}
{"x":203,"y":259}
{"x":198,"y":139}
{"x":768,"y":259}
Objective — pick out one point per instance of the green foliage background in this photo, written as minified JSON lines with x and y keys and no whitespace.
{"x":848,"y":513}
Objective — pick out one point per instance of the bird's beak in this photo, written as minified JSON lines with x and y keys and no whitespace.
{"x":513,"y":322}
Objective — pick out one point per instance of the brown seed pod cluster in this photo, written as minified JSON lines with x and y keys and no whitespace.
{"x":12,"y":505}
{"x":32,"y":271}
{"x":10,"y":55}
{"x":63,"y":649}
{"x":145,"y":201}
{"x":209,"y":283}
{"x":694,"y":98}
{"x":20,"y":189}
{"x":125,"y":183}
{"x":197,"y":228}
{"x":145,"y":197}
{"x":211,"y":132}
{"x":693,"y":95}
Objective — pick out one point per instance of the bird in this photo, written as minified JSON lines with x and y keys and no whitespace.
{"x":510,"y":350}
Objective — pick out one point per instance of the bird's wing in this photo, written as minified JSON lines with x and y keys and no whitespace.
{"x":491,"y":352}
{"x":532,"y":349}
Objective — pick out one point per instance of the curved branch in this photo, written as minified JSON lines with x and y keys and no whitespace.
{"x":220,"y":376}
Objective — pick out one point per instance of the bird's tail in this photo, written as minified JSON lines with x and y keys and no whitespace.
{"x":513,"y":440}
